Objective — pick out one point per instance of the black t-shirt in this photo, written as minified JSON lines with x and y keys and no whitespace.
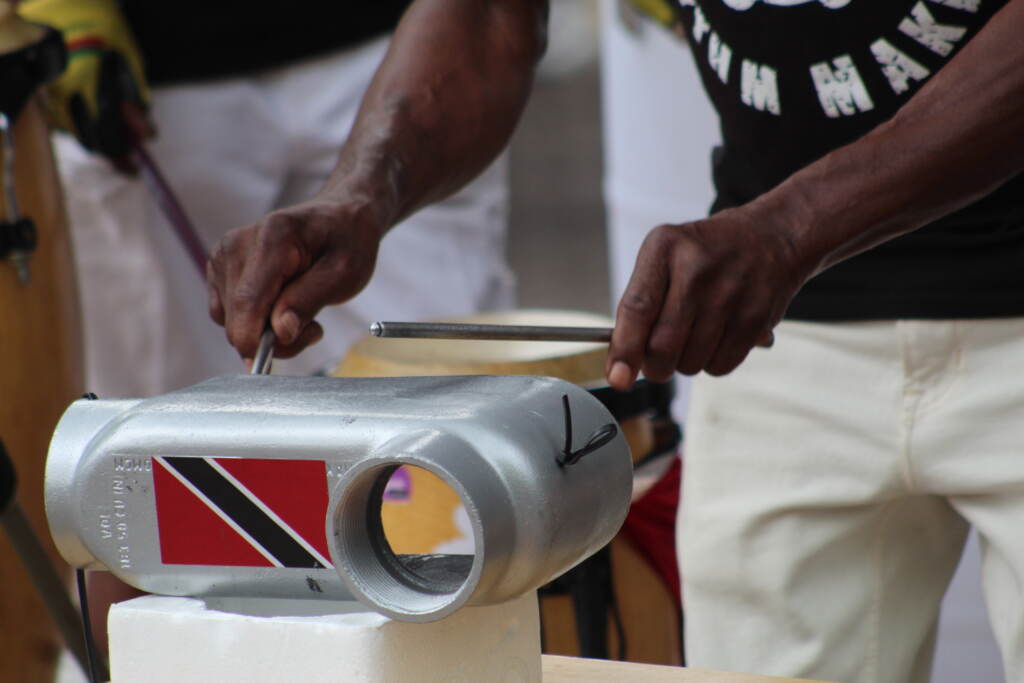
{"x":794,"y":79}
{"x":194,"y":40}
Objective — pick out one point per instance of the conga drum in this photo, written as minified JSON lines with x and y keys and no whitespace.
{"x":40,"y":346}
{"x":422,"y":515}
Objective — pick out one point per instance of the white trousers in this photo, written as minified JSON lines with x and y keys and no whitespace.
{"x":233,"y":150}
{"x":830,"y":482}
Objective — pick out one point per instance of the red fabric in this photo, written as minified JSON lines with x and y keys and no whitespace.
{"x":296,"y":490}
{"x":192,"y":533}
{"x":651,"y":523}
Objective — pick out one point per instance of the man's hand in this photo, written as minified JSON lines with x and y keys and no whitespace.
{"x":440,"y":108}
{"x":702,"y":295}
{"x":287,"y":267}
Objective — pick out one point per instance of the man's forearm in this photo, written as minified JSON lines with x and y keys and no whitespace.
{"x":956,"y":140}
{"x":443,"y":103}
{"x":440,"y":108}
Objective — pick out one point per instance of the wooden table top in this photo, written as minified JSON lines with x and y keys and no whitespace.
{"x":576,"y":670}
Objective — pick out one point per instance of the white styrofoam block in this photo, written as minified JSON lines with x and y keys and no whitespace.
{"x":158,"y":639}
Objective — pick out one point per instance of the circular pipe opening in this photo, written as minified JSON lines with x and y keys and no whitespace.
{"x":376,"y":564}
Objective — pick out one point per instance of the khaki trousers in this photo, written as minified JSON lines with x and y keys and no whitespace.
{"x":830,"y":482}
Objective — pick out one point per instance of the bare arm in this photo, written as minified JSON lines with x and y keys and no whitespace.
{"x":441,"y":107}
{"x":704,"y":293}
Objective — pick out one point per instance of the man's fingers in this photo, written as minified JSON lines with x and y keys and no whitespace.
{"x":310,"y":335}
{"x":637,"y":313}
{"x":670,"y":335}
{"x":266,"y":262}
{"x":727,"y":357}
{"x":216,"y":306}
{"x":334,"y":278}
{"x":701,"y":345}
{"x":747,"y":328}
{"x":299,"y":302}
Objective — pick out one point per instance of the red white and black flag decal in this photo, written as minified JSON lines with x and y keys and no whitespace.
{"x":241,"y":512}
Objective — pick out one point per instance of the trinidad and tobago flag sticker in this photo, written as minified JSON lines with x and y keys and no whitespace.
{"x":241,"y":512}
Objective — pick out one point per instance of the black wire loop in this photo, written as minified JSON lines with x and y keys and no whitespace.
{"x":599,"y":438}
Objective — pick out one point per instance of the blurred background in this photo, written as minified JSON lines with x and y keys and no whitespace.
{"x":557,"y":230}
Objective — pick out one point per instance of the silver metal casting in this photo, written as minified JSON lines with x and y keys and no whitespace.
{"x":126,"y":481}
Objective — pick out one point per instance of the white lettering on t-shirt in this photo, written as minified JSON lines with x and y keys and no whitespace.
{"x":841,"y":92}
{"x":719,"y":57}
{"x":759,"y":87}
{"x":966,"y":5}
{"x":700,"y":25}
{"x":898,"y":67}
{"x":921,"y":26}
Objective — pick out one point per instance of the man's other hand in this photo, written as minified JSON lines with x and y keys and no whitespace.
{"x":288,"y":266}
{"x":702,"y":295}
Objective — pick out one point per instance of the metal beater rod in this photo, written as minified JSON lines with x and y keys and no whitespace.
{"x":496,"y":332}
{"x":264,"y":353}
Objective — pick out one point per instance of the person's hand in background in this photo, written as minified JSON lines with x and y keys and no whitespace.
{"x":102,"y":97}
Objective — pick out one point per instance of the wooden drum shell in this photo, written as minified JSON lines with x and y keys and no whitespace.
{"x":40,"y":374}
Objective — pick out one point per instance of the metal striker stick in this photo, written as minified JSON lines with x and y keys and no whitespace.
{"x":264,"y":353}
{"x":489,"y":332}
{"x":191,"y":241}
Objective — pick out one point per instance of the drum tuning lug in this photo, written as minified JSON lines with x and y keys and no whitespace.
{"x":21,"y":268}
{"x":601,"y":436}
{"x":17,"y":232}
{"x":17,"y":242}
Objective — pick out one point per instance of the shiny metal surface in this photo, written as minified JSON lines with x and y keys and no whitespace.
{"x":494,"y":440}
{"x":7,"y":171}
{"x":18,"y":257}
{"x":490,"y":332}
{"x":264,"y":357}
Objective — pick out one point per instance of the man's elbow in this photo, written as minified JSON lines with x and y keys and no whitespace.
{"x":522,"y":26}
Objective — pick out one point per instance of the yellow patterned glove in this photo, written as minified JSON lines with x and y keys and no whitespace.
{"x":661,"y":11}
{"x":104,"y":84}
{"x":665,"y":12}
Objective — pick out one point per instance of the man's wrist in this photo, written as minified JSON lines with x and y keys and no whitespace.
{"x":367,"y":207}
{"x":790,"y":214}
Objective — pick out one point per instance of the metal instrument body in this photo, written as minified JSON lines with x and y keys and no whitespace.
{"x":495,"y":440}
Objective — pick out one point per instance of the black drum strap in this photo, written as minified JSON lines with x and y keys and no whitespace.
{"x":22,"y":71}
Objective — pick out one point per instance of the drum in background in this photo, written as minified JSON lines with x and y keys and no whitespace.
{"x":421,"y":514}
{"x":40,"y":346}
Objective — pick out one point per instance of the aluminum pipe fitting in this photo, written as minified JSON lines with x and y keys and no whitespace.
{"x":271,"y":487}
